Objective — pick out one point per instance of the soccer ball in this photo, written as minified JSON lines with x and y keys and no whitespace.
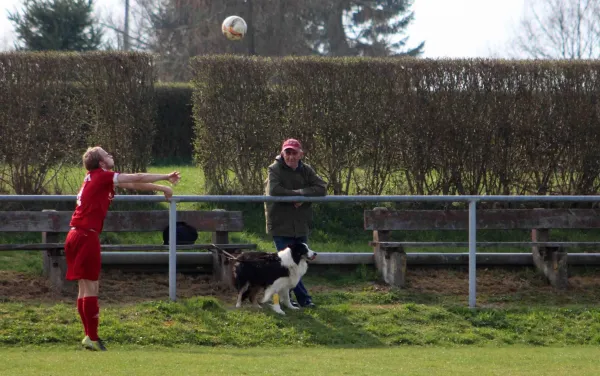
{"x":234,"y":27}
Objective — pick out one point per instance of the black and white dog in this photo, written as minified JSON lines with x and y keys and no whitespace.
{"x":276,"y":273}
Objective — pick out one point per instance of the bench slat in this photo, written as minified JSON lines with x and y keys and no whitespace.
{"x":122,"y":221}
{"x":122,"y":247}
{"x":484,"y":244}
{"x":500,"y":219}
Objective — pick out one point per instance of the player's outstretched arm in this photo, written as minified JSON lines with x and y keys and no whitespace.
{"x":172,"y":178}
{"x":167,"y":191}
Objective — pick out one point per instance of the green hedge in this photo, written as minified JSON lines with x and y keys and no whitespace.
{"x":402,"y":126}
{"x":174,"y":138}
{"x":239,"y":118}
{"x":369,"y":126}
{"x":120,"y":92}
{"x":53,"y":105}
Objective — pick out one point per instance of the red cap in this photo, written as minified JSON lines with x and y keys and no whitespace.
{"x":292,"y":143}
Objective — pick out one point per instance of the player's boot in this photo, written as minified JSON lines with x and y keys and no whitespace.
{"x":88,"y":344}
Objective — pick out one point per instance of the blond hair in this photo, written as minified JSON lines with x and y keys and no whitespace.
{"x":92,"y":158}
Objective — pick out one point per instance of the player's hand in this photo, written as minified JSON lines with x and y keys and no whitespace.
{"x":168,"y":192}
{"x":174,"y":177}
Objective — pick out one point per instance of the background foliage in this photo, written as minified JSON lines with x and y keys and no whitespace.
{"x":402,"y":126}
{"x":54,"y":105}
{"x":369,"y":125}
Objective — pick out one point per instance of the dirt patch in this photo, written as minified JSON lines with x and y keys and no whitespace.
{"x":494,"y":286}
{"x":489,"y":281}
{"x":23,"y":287}
{"x":115,"y":287}
{"x":497,"y":286}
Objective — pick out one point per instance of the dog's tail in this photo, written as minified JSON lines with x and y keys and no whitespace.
{"x":227,"y":254}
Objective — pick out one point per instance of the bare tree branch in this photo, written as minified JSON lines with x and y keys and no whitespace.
{"x":141,"y":43}
{"x":559,"y":29}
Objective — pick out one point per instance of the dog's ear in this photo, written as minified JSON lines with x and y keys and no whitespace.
{"x":290,"y":246}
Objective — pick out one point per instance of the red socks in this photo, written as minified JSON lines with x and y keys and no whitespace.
{"x":81,"y":314}
{"x":91,"y":312}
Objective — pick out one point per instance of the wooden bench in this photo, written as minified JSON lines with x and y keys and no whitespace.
{"x":550,"y":257}
{"x":50,"y":224}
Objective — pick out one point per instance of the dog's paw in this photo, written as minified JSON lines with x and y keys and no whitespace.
{"x":277,"y":309}
{"x":293,"y":307}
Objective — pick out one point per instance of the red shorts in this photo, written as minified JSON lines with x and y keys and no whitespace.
{"x":82,"y":251}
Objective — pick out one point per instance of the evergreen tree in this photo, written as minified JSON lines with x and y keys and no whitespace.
{"x":180,"y":29}
{"x":361,"y":28}
{"x":66,"y":25}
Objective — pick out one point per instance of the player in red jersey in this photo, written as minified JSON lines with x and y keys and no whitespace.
{"x":82,"y":246}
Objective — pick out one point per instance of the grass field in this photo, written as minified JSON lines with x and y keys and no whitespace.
{"x":302,"y":361}
{"x":521,"y":327}
{"x":354,"y":314}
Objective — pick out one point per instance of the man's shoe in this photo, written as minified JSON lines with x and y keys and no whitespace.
{"x":309,"y":305}
{"x":294,"y":304}
{"x":88,"y":344}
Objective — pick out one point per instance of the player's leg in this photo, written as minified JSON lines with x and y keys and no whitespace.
{"x":92,"y":314}
{"x":90,"y":264}
{"x":75,"y":240}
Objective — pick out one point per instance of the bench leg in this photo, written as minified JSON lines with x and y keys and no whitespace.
{"x":390,"y":262}
{"x":55,"y":265}
{"x":391,"y":265}
{"x":551,"y":261}
{"x":223,"y":268}
{"x":55,"y":269}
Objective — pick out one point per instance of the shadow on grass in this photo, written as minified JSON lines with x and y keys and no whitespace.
{"x":329,"y":327}
{"x":249,"y":327}
{"x":323,"y":326}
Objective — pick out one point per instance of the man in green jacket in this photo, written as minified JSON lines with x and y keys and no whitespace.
{"x":289,"y":222}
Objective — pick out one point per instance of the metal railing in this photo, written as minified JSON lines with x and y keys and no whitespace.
{"x":472,"y":200}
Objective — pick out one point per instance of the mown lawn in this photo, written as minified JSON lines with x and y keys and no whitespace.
{"x":130,"y":360}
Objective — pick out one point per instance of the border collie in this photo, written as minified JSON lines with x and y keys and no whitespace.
{"x":276,"y":273}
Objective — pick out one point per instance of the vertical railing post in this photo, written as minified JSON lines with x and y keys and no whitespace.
{"x":173,"y":250}
{"x":472,"y":253}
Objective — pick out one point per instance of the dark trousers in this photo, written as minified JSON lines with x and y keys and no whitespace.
{"x":281,"y":242}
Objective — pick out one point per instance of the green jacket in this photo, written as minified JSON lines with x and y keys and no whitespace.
{"x":283,"y":218}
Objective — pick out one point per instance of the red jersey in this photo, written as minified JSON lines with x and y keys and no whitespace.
{"x":93,"y":199}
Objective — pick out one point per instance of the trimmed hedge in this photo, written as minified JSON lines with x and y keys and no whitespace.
{"x":174,"y":138}
{"x":53,"y":105}
{"x":239,"y":120}
{"x":369,"y":126}
{"x":402,"y":126}
{"x":120,"y":93}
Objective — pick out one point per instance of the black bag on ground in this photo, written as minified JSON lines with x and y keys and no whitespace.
{"x":186,"y":234}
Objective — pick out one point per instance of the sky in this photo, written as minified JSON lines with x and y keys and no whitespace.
{"x":450,"y":28}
